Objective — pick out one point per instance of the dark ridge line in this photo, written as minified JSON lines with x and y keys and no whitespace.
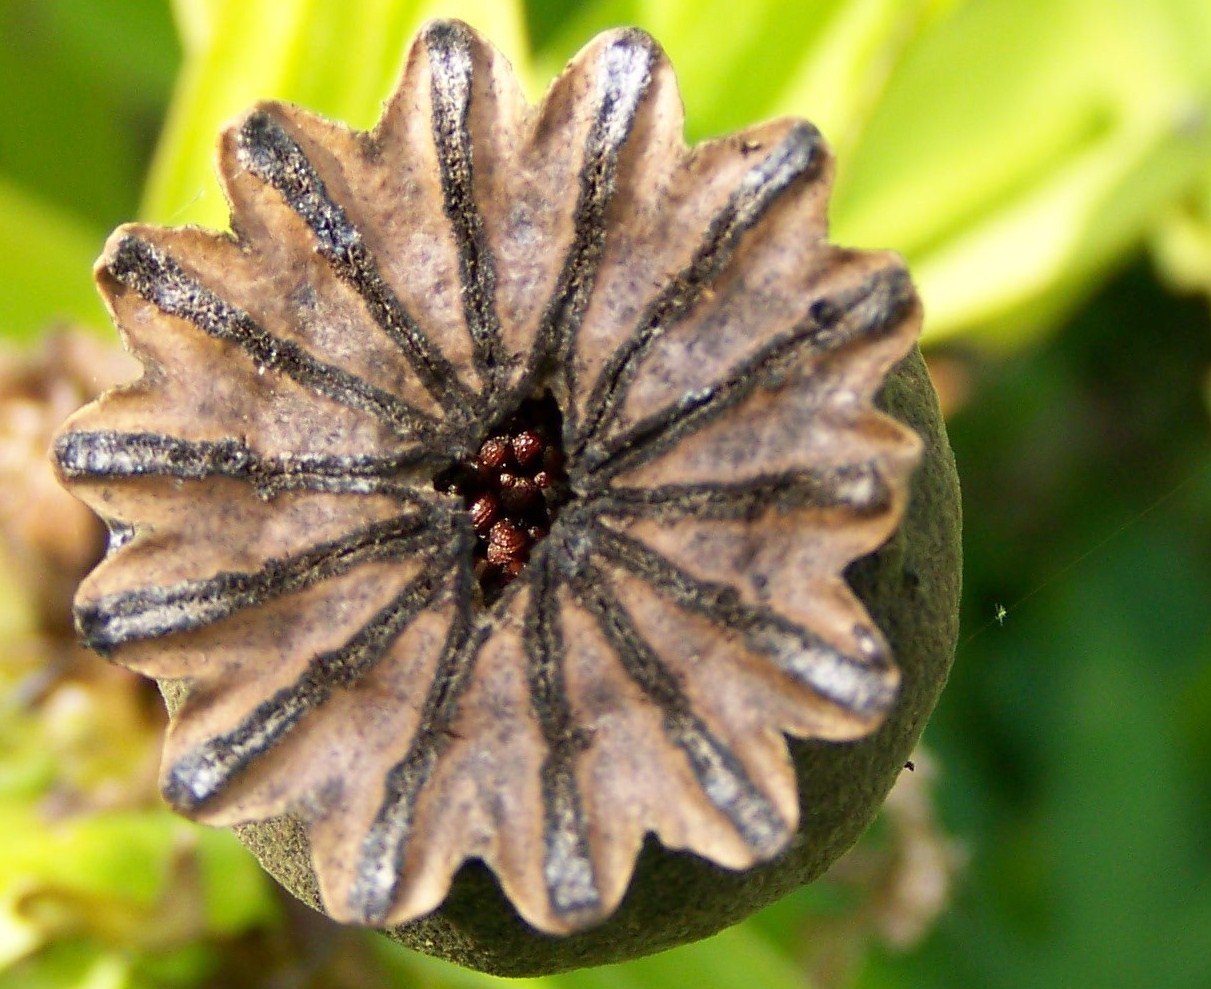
{"x":823,"y":488}
{"x":572,"y":887}
{"x":151,"y":612}
{"x":720,"y":774}
{"x":272,"y":155}
{"x":157,"y":277}
{"x":866,"y":687}
{"x":798,"y":155}
{"x":209,"y":768}
{"x":865,"y":311}
{"x":113,"y":454}
{"x":623,"y":81}
{"x":451,"y":71}
{"x":384,"y":846}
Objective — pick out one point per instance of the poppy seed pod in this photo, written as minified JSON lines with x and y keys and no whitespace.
{"x":535,"y":526}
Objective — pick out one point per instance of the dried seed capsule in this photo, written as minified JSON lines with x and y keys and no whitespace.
{"x":688,"y":610}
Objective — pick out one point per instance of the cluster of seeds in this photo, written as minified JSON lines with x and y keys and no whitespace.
{"x":512,"y":489}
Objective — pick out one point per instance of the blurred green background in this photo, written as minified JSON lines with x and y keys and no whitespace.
{"x":1045,"y":166}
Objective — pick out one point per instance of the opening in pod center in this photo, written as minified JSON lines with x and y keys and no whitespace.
{"x":513,"y":489}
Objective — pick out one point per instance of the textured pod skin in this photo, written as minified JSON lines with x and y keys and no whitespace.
{"x":395,"y":687}
{"x":911,"y":587}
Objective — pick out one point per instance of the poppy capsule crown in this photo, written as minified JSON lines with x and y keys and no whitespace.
{"x":487,"y":493}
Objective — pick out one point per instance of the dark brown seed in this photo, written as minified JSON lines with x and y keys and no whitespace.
{"x":508,"y":536}
{"x":494,"y":453}
{"x":505,"y":540}
{"x":542,"y":480}
{"x":527,"y":447}
{"x":484,"y":511}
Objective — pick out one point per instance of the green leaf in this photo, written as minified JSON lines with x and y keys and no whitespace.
{"x":48,"y":258}
{"x":120,"y":855}
{"x":82,"y":86}
{"x":237,"y":895}
{"x":741,"y":956}
{"x":70,"y":965}
{"x":1021,"y":150}
{"x":840,"y":83}
{"x":823,"y":60}
{"x":19,"y":936}
{"x":337,"y":59}
{"x":1181,"y":242}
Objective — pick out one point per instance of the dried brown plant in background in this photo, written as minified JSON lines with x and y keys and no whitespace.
{"x":56,"y":539}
